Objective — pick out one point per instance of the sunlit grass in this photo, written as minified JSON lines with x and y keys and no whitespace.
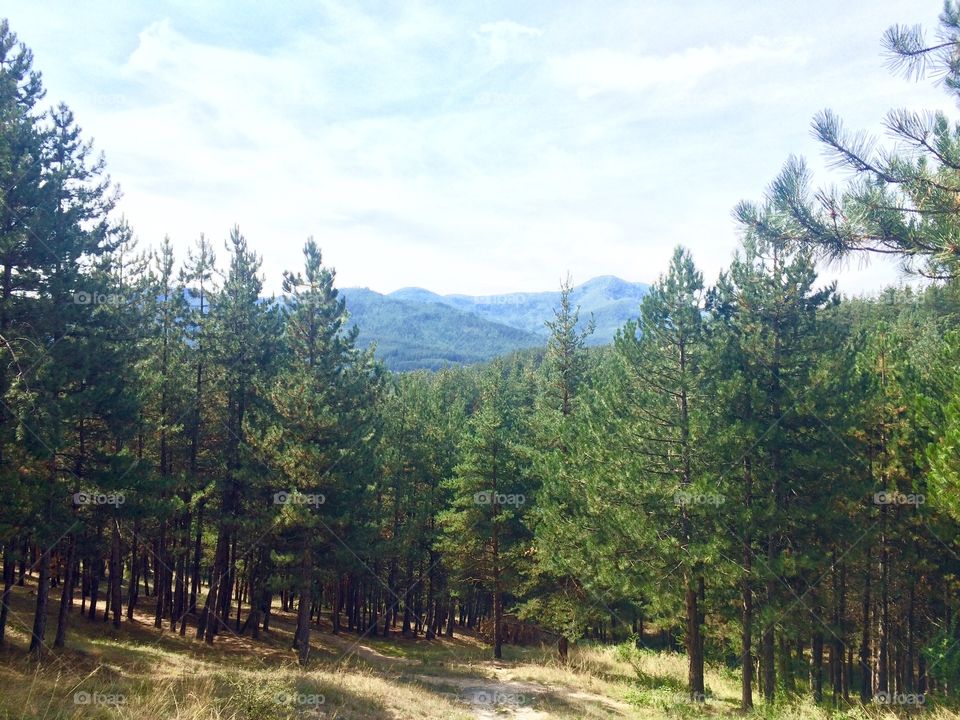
{"x":140,"y":673}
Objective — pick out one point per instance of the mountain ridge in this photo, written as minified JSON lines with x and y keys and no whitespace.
{"x":416,"y":328}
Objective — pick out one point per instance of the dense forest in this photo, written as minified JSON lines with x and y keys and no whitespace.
{"x":759,"y":472}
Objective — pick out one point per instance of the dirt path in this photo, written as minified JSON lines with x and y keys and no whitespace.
{"x":502,"y":697}
{"x":496,"y":697}
{"x":493,"y":697}
{"x":352,"y":647}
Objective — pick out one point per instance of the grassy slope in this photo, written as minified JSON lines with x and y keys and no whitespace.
{"x":161,"y":675}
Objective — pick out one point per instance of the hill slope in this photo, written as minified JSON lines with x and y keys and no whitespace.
{"x":413,"y":335}
{"x":609,"y":299}
{"x":417,"y":328}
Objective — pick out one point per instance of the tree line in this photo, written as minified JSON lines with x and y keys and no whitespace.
{"x":758,"y":472}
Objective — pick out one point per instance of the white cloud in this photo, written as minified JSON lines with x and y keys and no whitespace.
{"x":447,"y":148}
{"x":601,"y":70}
{"x":506,"y":40}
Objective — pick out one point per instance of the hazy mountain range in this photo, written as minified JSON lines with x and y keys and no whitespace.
{"x":415,"y":328}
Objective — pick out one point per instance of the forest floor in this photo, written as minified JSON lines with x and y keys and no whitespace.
{"x":142,"y":673}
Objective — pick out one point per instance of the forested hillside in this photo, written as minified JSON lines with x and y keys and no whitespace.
{"x":414,"y":335}
{"x":608,"y":300}
{"x":759,"y":473}
{"x":416,"y":329}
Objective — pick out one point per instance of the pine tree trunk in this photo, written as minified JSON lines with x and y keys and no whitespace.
{"x":66,"y":596}
{"x":238,"y":596}
{"x":694,"y":647}
{"x":267,"y":608}
{"x":407,"y":612}
{"x":848,"y":673}
{"x":883,"y":639}
{"x":134,"y":590}
{"x":911,"y":633}
{"x":430,"y":604}
{"x":837,"y":654}
{"x":391,"y":611}
{"x":746,"y":593}
{"x":84,"y":569}
{"x":145,"y":573}
{"x":40,"y":614}
{"x":208,"y":625}
{"x":197,"y":555}
{"x":450,"y":613}
{"x":358,"y":606}
{"x":180,"y":587}
{"x":374,"y":624}
{"x":116,"y":575}
{"x":301,"y":641}
{"x":160,"y":583}
{"x":9,"y":574}
{"x":786,"y":664}
{"x":258,"y":600}
{"x":227,"y":582}
{"x":866,"y":684}
{"x":497,"y":596}
{"x":418,"y":604}
{"x":817,"y":668}
{"x":22,"y":570}
{"x":96,"y":568}
{"x":767,"y":640}
{"x":335,"y":608}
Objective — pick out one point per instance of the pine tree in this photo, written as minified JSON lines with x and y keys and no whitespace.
{"x":555,"y":598}
{"x":422,"y":417}
{"x":902,"y":200}
{"x":197,"y":276}
{"x":663,"y":354}
{"x":316,"y":400}
{"x":20,"y":180}
{"x":767,"y":334}
{"x":71,"y":230}
{"x":244,"y":341}
{"x":484,"y":527}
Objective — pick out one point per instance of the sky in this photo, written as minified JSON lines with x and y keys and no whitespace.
{"x":475,"y":147}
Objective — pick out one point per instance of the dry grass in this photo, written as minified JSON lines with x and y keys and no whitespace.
{"x":140,"y":673}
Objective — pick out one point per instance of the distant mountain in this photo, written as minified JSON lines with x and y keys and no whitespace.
{"x":416,"y":328}
{"x":612,"y":302}
{"x":419,"y":334}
